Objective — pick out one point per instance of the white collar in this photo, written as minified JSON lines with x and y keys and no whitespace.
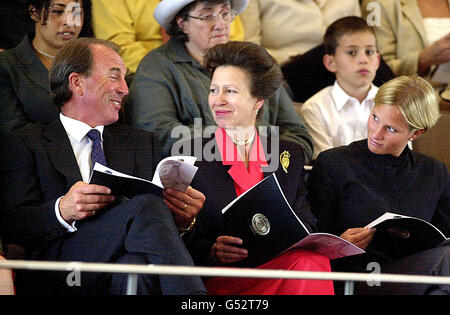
{"x":341,"y":97}
{"x":76,"y":128}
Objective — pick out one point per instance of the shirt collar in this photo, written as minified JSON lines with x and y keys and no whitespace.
{"x":77,"y":129}
{"x":341,"y":98}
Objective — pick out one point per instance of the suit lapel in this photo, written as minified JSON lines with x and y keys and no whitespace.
{"x":412,"y":12}
{"x":60,"y":152}
{"x":118,"y":146}
{"x":288,"y":179}
{"x":267,"y":143}
{"x":282,"y":176}
{"x":227,"y":182}
{"x":220,"y":171}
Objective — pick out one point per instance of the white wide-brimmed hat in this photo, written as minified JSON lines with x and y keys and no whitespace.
{"x":167,"y":9}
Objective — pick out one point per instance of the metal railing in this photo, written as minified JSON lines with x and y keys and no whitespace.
{"x":134,"y":270}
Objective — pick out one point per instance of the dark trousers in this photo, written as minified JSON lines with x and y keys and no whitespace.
{"x":137,"y":231}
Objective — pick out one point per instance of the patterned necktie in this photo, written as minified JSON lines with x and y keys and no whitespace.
{"x":97,"y":154}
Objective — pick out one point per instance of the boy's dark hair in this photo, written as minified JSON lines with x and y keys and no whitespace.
{"x":264,"y":72}
{"x":340,"y":27}
{"x":42,"y":8}
{"x":175,"y":31}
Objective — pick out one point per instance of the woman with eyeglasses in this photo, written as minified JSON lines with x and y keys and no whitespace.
{"x":25,"y":91}
{"x":171,"y":87}
{"x":130,"y":24}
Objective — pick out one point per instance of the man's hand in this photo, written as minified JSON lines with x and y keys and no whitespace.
{"x":360,"y":237}
{"x":185,"y":206}
{"x":227,"y":250}
{"x":82,"y":200}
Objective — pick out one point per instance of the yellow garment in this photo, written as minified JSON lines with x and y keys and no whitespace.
{"x":130,"y":23}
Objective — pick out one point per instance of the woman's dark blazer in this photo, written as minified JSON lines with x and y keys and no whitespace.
{"x":213,"y":180}
{"x":24,"y":88}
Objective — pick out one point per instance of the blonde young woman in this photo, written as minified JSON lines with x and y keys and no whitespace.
{"x":25,"y":91}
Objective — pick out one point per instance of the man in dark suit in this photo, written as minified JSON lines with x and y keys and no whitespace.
{"x":51,"y":210}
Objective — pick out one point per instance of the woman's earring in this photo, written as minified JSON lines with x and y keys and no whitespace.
{"x":256,"y":111}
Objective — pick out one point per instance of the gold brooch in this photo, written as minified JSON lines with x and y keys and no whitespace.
{"x":284,"y":160}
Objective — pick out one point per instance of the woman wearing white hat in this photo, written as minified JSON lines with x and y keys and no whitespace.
{"x":171,"y":88}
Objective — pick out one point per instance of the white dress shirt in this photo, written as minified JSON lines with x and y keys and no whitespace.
{"x":334,"y":118}
{"x":76,"y":131}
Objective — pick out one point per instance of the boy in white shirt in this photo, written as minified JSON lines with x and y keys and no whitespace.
{"x":337,"y":115}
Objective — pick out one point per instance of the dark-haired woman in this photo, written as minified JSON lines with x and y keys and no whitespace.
{"x":244,"y":77}
{"x":170,"y":88}
{"x":24,"y":87}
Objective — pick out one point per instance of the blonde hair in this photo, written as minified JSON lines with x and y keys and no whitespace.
{"x":415,"y":98}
